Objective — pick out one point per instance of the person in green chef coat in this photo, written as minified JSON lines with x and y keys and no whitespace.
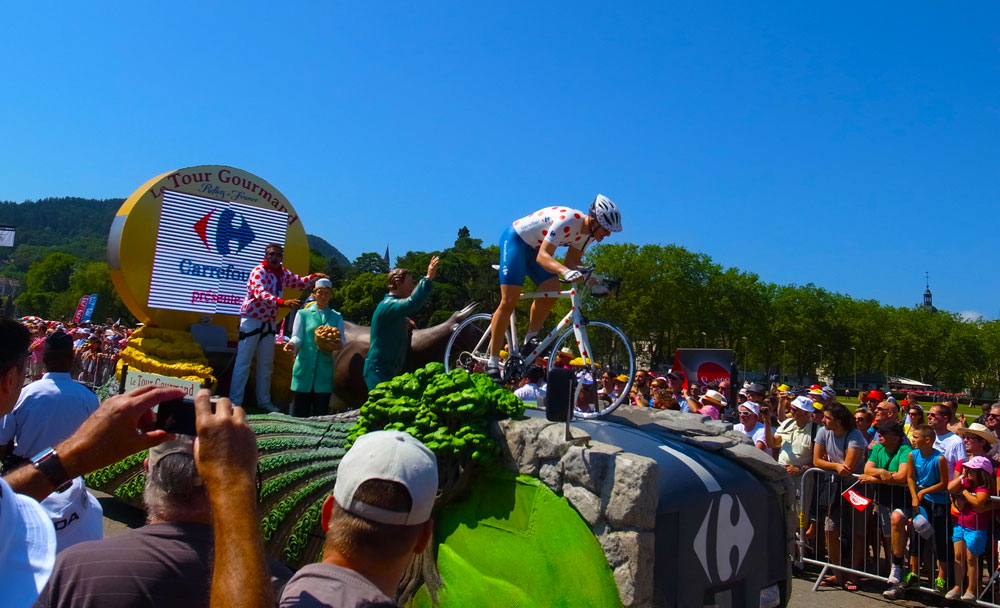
{"x":312,"y":375}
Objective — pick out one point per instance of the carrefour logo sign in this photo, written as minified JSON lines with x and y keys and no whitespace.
{"x":226,"y":231}
{"x":205,"y":250}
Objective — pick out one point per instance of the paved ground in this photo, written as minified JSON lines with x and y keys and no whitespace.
{"x":869,"y":596}
{"x":119,"y":517}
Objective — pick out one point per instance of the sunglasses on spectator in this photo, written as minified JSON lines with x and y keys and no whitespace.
{"x":993,"y":415}
{"x":275,"y":254}
{"x":933,"y":415}
{"x":916,"y":413}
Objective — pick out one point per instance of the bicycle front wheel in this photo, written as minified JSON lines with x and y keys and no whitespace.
{"x":610,"y":351}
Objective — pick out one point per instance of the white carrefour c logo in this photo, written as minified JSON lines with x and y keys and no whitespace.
{"x":727,"y":536}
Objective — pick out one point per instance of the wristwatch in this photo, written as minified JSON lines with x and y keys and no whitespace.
{"x":47,"y":461}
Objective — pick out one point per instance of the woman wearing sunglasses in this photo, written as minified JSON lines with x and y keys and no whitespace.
{"x":916,"y":417}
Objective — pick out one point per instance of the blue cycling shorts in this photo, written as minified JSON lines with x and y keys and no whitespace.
{"x":518,"y":259}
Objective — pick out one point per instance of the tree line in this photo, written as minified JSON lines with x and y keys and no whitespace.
{"x":674,"y":298}
{"x":670,"y":298}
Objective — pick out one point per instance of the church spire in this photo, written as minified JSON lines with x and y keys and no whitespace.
{"x":928,"y":298}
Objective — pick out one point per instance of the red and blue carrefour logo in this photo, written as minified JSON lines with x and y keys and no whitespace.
{"x":226,"y":231}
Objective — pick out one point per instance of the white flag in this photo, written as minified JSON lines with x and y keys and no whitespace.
{"x":6,"y":236}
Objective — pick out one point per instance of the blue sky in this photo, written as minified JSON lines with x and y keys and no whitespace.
{"x":852,"y":145}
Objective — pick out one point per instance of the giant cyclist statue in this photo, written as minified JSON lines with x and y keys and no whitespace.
{"x":526,"y":249}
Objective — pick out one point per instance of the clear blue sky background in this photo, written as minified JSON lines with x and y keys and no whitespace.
{"x":854,"y":146}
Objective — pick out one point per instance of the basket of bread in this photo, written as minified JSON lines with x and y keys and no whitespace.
{"x":327,"y":338}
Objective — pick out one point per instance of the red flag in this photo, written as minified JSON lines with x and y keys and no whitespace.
{"x":857,"y":501}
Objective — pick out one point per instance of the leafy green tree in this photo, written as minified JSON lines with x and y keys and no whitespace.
{"x":357,"y":298}
{"x":95,"y":278}
{"x":371,"y":263}
{"x":317,"y":263}
{"x":52,"y":273}
{"x":337,"y":271}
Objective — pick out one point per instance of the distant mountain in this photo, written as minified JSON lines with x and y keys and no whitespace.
{"x":318,"y":245}
{"x":80,"y":226}
{"x":51,"y":221}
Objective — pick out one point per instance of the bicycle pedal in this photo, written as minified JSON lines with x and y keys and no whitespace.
{"x":528,"y":347}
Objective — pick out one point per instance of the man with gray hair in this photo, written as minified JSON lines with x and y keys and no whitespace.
{"x":167,"y":562}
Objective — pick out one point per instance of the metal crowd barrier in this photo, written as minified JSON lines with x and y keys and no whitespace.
{"x":820,"y":496}
{"x":96,"y":372}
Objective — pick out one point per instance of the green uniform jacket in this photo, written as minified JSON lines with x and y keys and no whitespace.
{"x":389,"y":333}
{"x":313,"y":370}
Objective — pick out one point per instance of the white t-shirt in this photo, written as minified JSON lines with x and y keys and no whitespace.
{"x":953,"y":448}
{"x":530,"y":392}
{"x":560,"y":225}
{"x":758,"y":433}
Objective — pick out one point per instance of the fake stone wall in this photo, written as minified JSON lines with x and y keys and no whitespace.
{"x":616,"y":492}
{"x":613,"y":491}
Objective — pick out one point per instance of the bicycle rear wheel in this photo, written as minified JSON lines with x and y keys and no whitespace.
{"x":610,"y":351}
{"x":469,"y":345}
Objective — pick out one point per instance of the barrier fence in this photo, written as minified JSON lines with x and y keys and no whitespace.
{"x":97,"y":369}
{"x":857,"y":543}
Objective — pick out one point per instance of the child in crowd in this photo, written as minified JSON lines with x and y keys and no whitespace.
{"x":972,"y":527}
{"x":928,"y":482}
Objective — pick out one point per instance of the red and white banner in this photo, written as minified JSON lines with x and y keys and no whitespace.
{"x":857,"y":501}
{"x":703,"y":365}
{"x":80,"y":308}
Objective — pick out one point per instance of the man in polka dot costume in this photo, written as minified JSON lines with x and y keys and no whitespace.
{"x":257,"y":323}
{"x":527,"y":248}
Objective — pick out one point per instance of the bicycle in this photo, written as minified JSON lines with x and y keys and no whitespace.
{"x":585,"y":345}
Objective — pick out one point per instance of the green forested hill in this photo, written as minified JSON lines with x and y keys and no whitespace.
{"x":319,"y":245}
{"x":79,"y":226}
{"x":60,"y":254}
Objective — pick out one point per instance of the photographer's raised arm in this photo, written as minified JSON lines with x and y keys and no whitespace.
{"x":226,"y":455}
{"x":119,"y":428}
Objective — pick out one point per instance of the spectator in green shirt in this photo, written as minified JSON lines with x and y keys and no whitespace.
{"x":391,"y":323}
{"x":888,"y":467}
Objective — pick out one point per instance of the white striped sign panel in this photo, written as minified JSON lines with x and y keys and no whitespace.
{"x":205,"y":250}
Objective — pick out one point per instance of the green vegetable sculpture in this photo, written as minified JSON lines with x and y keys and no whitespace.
{"x":299,"y":457}
{"x":448,"y":412}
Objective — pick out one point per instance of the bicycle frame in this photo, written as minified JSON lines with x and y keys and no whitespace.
{"x":573,"y":317}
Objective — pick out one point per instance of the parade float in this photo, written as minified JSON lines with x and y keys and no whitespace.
{"x":642,"y":508}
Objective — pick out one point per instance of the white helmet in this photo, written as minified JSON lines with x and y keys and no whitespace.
{"x":606,"y":213}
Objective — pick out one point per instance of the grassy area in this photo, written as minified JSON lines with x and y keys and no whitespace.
{"x":971,"y":411}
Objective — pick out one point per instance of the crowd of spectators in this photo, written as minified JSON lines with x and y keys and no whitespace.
{"x":202,"y":544}
{"x":96,"y":347}
{"x":930,"y":478}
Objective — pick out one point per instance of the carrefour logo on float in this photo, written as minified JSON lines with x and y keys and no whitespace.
{"x":231,"y":230}
{"x":226,"y":231}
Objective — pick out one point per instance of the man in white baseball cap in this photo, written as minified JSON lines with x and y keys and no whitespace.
{"x":795,"y":436}
{"x":377,"y":520}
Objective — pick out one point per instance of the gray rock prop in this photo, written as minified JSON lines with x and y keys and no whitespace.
{"x":615,"y":492}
